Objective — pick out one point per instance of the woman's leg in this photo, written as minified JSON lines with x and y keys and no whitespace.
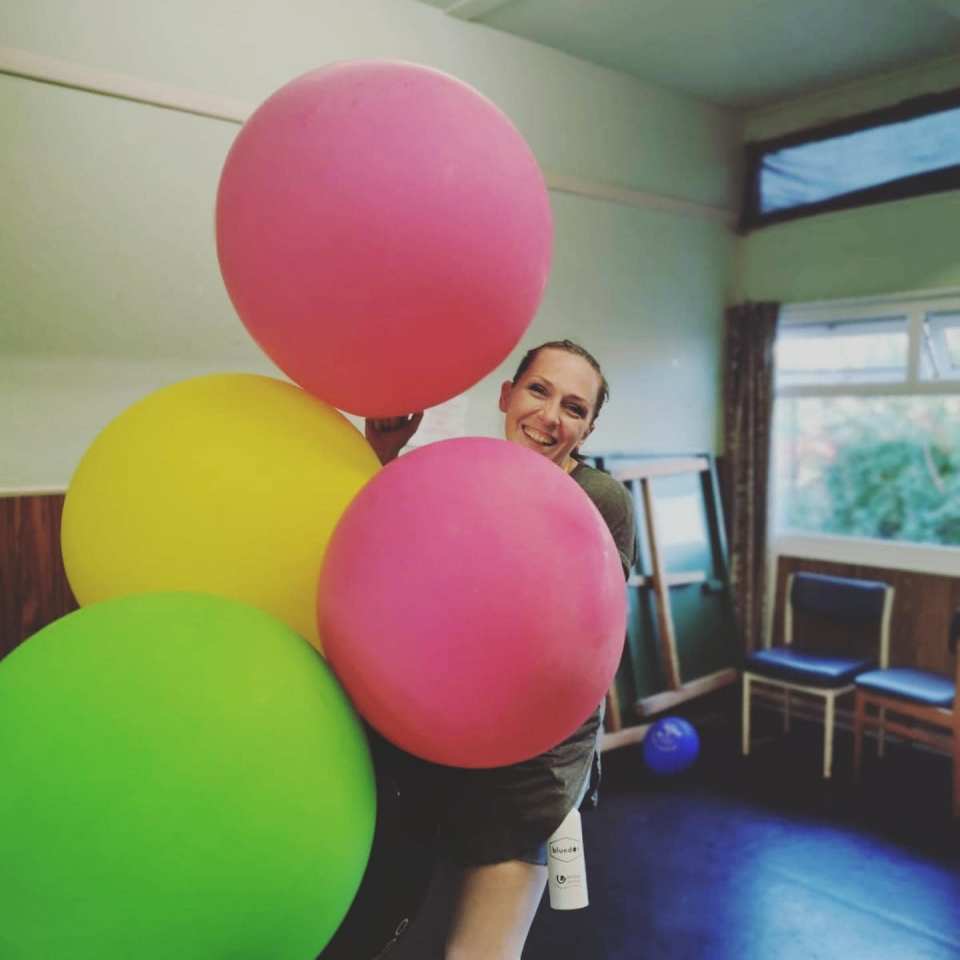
{"x":494,"y":910}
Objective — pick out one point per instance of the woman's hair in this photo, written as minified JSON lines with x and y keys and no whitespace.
{"x":569,"y":347}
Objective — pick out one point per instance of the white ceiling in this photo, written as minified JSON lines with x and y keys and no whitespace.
{"x":739,"y":54}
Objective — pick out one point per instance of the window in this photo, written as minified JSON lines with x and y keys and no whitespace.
{"x":940,"y":359}
{"x":866,"y":433}
{"x":902,"y":151}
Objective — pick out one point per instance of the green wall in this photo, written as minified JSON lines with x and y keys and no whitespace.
{"x":109,"y":285}
{"x":893,"y":247}
{"x":889,"y":248}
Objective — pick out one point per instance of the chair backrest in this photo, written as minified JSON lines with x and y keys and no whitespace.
{"x":953,"y":638}
{"x":840,"y":614}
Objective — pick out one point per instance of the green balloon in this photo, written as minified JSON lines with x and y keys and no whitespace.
{"x":182,"y":777}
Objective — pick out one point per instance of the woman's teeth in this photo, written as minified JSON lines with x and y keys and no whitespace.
{"x":541,"y":439}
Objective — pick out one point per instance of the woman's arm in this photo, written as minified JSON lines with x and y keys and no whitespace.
{"x":389,"y":436}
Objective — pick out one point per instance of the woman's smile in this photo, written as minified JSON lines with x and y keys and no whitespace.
{"x":539,"y":438}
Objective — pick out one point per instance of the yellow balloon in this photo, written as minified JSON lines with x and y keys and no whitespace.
{"x":228,"y":484}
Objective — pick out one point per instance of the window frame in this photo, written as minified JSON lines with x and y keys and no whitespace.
{"x":851,"y":326}
{"x":935,"y":343}
{"x":914,"y":307}
{"x":904,"y":555}
{"x":916,"y":185}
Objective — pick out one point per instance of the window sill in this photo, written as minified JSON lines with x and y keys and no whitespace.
{"x":892,"y":555}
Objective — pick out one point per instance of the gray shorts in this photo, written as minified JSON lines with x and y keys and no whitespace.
{"x":508,"y":813}
{"x":536,"y":855}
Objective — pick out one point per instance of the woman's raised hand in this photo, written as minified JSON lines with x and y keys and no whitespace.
{"x":390,"y":435}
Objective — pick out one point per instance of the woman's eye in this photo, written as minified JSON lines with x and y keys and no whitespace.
{"x":538,"y":388}
{"x":577,"y":411}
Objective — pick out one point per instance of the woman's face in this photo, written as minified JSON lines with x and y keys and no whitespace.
{"x":550,"y":408}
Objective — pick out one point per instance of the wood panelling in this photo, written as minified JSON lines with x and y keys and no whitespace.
{"x":34,"y":589}
{"x":922,"y":606}
{"x":33,"y":584}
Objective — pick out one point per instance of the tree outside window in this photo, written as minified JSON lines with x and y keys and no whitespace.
{"x":867,"y":422}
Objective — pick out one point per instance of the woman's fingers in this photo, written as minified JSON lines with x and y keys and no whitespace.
{"x":389,"y":435}
{"x":390,"y":424}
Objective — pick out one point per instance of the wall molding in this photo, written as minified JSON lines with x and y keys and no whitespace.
{"x":625,"y":196}
{"x":8,"y":490}
{"x":76,"y":76}
{"x":474,"y":9}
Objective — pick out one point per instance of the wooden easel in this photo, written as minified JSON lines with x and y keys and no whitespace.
{"x":638,"y":479}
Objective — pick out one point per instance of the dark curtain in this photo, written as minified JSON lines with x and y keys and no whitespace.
{"x":747,"y":415}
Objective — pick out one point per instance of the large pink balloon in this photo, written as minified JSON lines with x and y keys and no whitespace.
{"x":472,"y":603}
{"x":384,"y":233}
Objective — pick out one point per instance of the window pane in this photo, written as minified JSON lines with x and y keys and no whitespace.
{"x":872,"y":351}
{"x":953,"y":345}
{"x":940,"y":353}
{"x":812,"y":172}
{"x":882,"y":467}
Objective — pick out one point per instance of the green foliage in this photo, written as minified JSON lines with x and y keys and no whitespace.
{"x":898,"y":490}
{"x":881,"y":468}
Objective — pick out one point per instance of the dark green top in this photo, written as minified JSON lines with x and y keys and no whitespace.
{"x":615,"y":504}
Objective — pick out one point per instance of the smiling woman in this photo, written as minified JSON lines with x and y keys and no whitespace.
{"x":496,"y":821}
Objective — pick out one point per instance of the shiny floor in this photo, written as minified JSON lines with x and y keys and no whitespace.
{"x":759,"y":859}
{"x":752,"y":858}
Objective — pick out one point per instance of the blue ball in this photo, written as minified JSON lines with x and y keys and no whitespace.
{"x":670,"y":746}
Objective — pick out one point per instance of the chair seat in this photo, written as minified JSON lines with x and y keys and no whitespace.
{"x":917,"y":686}
{"x":807,"y":669}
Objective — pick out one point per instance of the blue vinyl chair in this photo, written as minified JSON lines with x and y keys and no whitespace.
{"x":845,"y":631}
{"x":922,"y":703}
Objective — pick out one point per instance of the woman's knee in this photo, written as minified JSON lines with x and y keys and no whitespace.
{"x":494,"y":911}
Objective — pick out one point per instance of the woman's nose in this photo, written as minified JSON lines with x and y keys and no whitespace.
{"x":550,"y":411}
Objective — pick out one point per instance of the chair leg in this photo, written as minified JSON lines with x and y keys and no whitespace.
{"x":956,"y":783}
{"x":745,"y":717}
{"x":881,"y":731}
{"x":956,"y":762}
{"x":858,"y":715}
{"x":786,"y":711}
{"x":828,"y":736}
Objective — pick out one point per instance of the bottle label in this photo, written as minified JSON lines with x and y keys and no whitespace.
{"x":567,"y":872}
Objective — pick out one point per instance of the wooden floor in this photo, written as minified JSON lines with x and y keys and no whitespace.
{"x":759,"y":859}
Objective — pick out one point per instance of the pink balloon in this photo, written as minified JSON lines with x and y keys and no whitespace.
{"x":472,"y":603}
{"x":384,"y":233}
